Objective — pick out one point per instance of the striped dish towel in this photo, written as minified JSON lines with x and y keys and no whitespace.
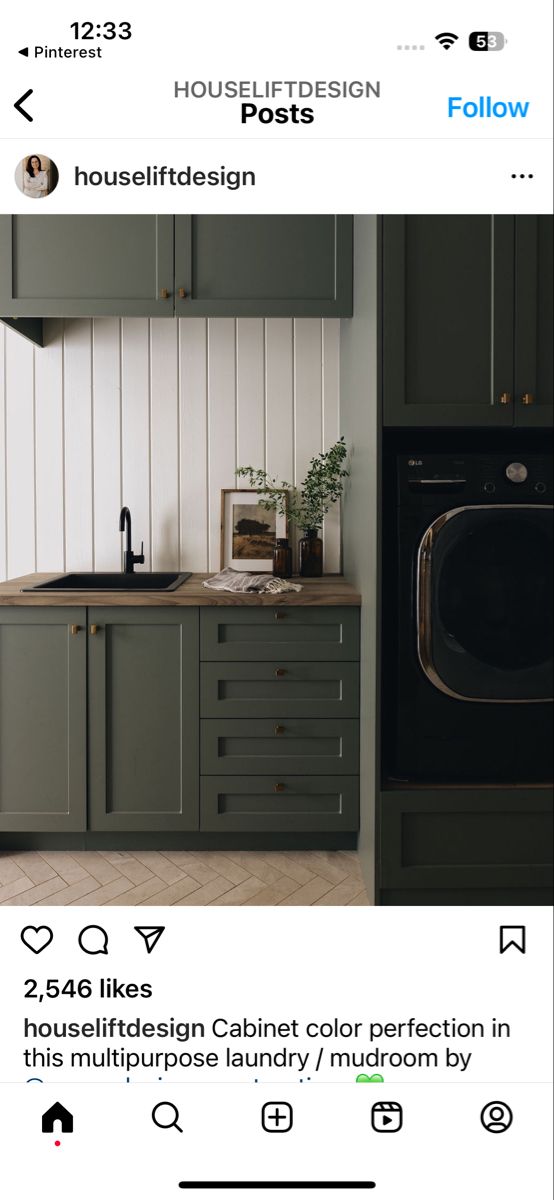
{"x":229,"y":580}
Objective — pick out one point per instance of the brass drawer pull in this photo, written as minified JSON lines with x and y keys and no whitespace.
{"x":75,"y":629}
{"x":527,"y":398}
{"x":280,"y":672}
{"x":164,"y":294}
{"x":94,"y":630}
{"x":505,"y":398}
{"x":279,"y":616}
{"x":279,"y":787}
{"x":182,"y":294}
{"x":279,"y":730}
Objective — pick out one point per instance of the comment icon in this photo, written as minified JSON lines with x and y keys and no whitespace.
{"x":93,"y":940}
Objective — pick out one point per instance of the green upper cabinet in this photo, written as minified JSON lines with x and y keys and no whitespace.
{"x":448,"y":301}
{"x":95,"y":266}
{"x":534,"y":320}
{"x":465,"y":320}
{"x":86,"y":266}
{"x":143,"y":719}
{"x":43,"y":715}
{"x":263,"y":266}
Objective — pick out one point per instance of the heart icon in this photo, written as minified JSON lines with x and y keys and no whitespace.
{"x":36,"y":937}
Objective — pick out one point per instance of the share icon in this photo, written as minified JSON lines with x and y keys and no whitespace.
{"x":151,"y":935}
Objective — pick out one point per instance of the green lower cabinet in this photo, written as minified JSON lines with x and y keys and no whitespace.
{"x":143,"y":719}
{"x":295,"y":804}
{"x":101,"y":729}
{"x":290,"y":746}
{"x":42,"y":720}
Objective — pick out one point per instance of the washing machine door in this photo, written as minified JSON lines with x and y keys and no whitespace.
{"x":485,"y":603}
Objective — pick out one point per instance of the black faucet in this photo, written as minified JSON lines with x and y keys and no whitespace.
{"x":129,"y":558}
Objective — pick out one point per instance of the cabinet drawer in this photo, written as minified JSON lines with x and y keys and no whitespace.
{"x":284,"y":633}
{"x":293,"y":746}
{"x":295,"y":804}
{"x":273,"y":690}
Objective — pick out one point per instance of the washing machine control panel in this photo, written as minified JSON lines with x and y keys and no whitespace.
{"x":475,"y":478}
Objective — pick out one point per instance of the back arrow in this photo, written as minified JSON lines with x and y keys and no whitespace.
{"x":19,"y":102}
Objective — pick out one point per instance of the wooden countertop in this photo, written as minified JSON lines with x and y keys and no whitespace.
{"x":330,"y":590}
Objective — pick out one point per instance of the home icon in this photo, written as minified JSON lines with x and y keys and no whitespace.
{"x":57,"y":1113}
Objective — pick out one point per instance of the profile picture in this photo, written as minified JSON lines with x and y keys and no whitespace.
{"x":36,"y":176}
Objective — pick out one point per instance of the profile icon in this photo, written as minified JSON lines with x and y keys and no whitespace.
{"x":36,"y":176}
{"x":497,"y":1116}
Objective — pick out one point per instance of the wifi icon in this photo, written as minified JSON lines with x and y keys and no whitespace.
{"x":446,"y":40}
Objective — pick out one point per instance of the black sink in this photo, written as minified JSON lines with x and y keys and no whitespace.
{"x":98,"y":581}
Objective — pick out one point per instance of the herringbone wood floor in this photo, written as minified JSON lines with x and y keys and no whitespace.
{"x":181,"y":878}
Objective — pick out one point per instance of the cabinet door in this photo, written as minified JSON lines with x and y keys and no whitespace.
{"x":42,"y":720}
{"x":143,"y":719}
{"x":447,"y":320}
{"x":86,"y":266}
{"x":534,"y":321}
{"x":262,"y":266}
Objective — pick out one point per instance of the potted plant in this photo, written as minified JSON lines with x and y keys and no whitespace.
{"x":308,"y":504}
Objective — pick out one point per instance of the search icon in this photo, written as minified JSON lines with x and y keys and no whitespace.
{"x":166,"y":1116}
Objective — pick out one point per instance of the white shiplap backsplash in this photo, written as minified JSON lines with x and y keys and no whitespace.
{"x":155,"y":414}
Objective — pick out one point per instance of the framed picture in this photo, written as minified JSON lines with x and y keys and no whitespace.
{"x":248,"y":531}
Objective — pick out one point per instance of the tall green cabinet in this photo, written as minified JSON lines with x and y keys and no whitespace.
{"x":466,"y":317}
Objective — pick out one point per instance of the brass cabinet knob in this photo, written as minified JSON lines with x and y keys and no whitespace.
{"x":164,"y":294}
{"x":75,"y":629}
{"x":279,"y":616}
{"x":182,"y":294}
{"x":279,"y":787}
{"x":94,"y":630}
{"x":527,"y":398}
{"x":505,"y":398}
{"x":279,"y":730}
{"x":280,"y":672}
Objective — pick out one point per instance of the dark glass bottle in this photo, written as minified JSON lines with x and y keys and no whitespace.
{"x":310,"y":549}
{"x":282,"y":558}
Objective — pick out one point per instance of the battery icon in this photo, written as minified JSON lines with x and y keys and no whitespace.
{"x":487,"y":41}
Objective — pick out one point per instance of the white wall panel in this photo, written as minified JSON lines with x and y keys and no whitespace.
{"x":155,"y":415}
{"x":49,"y":451}
{"x":106,"y":419}
{"x":250,"y":392}
{"x":3,"y":562}
{"x":135,"y":427}
{"x":308,"y":412}
{"x":331,"y":434}
{"x":164,"y":432}
{"x":279,"y":354}
{"x":79,"y":500}
{"x":20,"y":470}
{"x":193,"y":382}
{"x":221,"y":424}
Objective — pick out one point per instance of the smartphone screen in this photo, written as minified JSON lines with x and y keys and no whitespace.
{"x":276,"y":596}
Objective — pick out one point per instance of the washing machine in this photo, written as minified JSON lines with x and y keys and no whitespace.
{"x":467,"y":655}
